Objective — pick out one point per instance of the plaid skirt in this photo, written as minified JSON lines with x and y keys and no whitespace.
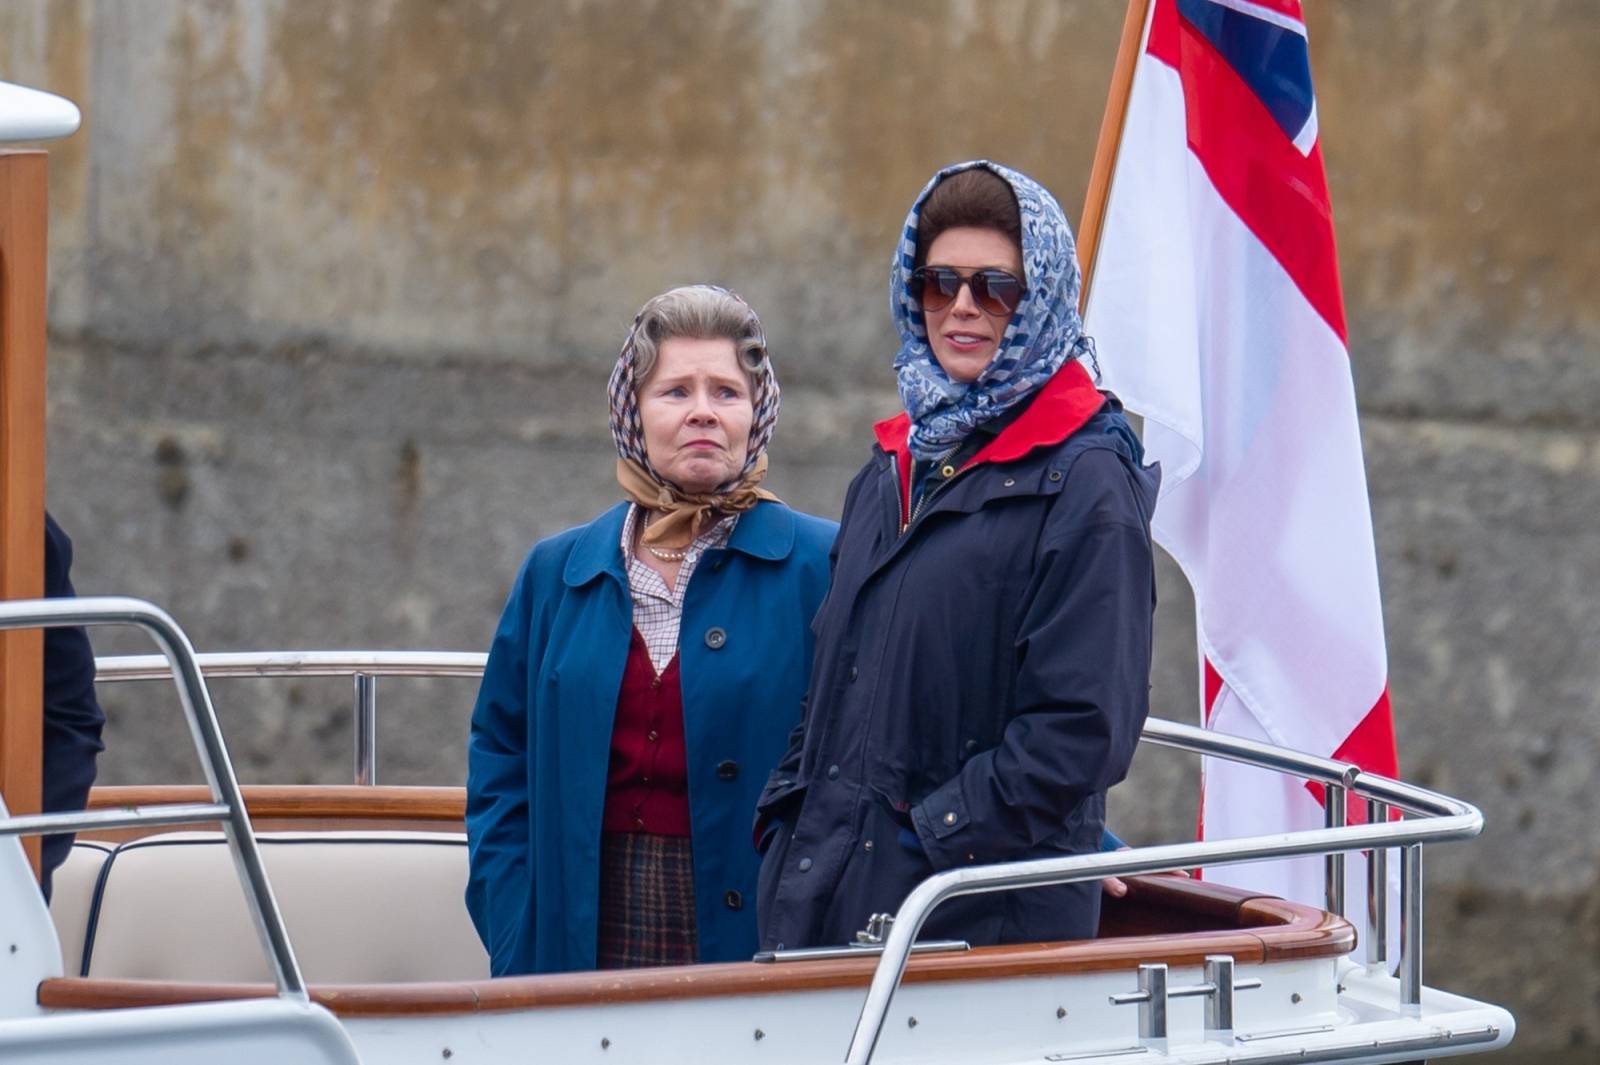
{"x":646,"y":901}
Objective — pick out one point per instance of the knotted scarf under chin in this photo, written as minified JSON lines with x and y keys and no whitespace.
{"x":679,"y":516}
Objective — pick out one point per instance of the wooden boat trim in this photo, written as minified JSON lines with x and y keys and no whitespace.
{"x":1266,"y":930}
{"x":320,"y":807}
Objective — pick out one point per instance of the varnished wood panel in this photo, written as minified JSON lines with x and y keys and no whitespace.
{"x":304,"y":807}
{"x":22,"y":375}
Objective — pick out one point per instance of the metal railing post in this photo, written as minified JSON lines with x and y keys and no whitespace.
{"x":1219,"y":1006}
{"x":1377,"y":892}
{"x":1411,"y":927}
{"x":201,"y":717}
{"x":1153,"y":1007}
{"x":1333,"y":865}
{"x":365,"y":710}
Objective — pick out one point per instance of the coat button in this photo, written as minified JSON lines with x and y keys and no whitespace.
{"x":833,"y":772}
{"x":652,"y":735}
{"x":1055,"y":475}
{"x":715,"y":638}
{"x":805,"y":865}
{"x":971,"y":747}
{"x":867,"y":846}
{"x":734,"y":900}
{"x":950,"y":818}
{"x":1011,"y":482}
{"x":854,"y":673}
{"x":727,"y":769}
{"x":947,"y":471}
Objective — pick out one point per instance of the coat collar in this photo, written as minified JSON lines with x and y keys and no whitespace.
{"x":1063,"y":405}
{"x":766,"y":532}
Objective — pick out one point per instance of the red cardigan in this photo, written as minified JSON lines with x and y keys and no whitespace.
{"x":647,"y":784}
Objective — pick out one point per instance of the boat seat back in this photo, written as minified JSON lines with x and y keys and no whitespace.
{"x":72,"y":898}
{"x":360,"y":907}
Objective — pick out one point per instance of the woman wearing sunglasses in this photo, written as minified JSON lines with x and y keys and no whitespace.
{"x":647,"y":669}
{"x":983,"y":657}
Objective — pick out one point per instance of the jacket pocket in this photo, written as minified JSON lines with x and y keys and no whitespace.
{"x":781,"y":800}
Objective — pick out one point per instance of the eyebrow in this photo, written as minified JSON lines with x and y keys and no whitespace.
{"x":1003,"y":267}
{"x":720,"y":379}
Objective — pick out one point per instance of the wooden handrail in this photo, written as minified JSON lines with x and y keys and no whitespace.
{"x":1262,"y":930}
{"x":357,"y":802}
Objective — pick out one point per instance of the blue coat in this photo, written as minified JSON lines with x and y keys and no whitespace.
{"x":541,"y":729}
{"x":981,"y":677}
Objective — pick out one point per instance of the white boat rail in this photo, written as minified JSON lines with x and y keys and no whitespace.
{"x":1429,"y":817}
{"x":227,"y":805}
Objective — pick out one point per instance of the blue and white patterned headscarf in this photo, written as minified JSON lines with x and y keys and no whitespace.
{"x":1043,"y":334}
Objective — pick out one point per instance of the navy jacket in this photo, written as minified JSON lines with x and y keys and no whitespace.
{"x":541,"y":729}
{"x":73,"y":719}
{"x":981,"y":678}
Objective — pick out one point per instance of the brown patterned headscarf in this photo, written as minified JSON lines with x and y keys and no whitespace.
{"x":681,"y":515}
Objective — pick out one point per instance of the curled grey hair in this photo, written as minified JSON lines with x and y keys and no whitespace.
{"x":699,"y":312}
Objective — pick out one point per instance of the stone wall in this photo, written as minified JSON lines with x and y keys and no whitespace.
{"x":335,"y":288}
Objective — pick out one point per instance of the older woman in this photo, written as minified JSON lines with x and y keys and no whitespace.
{"x":646,"y":672}
{"x":982,"y":663}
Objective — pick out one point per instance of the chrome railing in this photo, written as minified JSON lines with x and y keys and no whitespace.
{"x":1432,"y":818}
{"x":364,"y":667}
{"x":227,"y":805}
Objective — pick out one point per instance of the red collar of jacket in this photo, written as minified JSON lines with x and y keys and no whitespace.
{"x":1063,"y":405}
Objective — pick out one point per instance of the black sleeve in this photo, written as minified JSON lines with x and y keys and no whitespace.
{"x":72,"y":716}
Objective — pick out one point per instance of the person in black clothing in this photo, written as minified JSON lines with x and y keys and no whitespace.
{"x":982,"y":661}
{"x":72,"y":716}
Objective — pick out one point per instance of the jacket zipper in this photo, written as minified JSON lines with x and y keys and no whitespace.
{"x":928,"y":496}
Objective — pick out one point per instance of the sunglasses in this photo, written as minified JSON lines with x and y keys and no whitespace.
{"x":996,"y":292}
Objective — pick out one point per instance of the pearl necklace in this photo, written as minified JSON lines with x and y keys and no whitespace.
{"x":664,"y":554}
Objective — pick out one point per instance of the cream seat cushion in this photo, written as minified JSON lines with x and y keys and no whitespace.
{"x":360,"y":907}
{"x":72,"y":897}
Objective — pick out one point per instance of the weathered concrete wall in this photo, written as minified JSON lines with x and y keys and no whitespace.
{"x":335,"y":287}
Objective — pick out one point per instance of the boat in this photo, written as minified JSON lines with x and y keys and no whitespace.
{"x":327,"y":923}
{"x":347,"y":938}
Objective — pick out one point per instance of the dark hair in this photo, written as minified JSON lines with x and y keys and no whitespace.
{"x":978,"y":198}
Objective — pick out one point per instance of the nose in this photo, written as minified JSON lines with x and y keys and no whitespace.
{"x":702,"y":412}
{"x":965,"y":306}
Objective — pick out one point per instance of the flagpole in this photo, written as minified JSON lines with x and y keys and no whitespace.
{"x":1110,"y":141}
